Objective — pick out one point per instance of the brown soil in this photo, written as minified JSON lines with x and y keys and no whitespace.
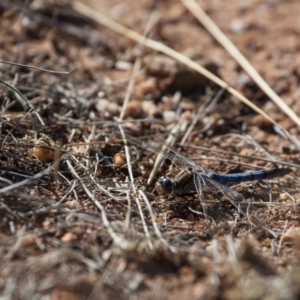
{"x":73,"y":223}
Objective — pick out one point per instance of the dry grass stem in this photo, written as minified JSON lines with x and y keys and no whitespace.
{"x":204,"y":19}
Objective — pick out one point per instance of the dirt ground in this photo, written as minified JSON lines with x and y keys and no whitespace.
{"x":78,"y":219}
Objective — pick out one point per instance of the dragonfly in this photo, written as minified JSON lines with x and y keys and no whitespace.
{"x":184,"y":182}
{"x":195,"y":179}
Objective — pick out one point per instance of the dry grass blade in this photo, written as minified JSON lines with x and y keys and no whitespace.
{"x":259,"y":158}
{"x":24,"y":98}
{"x":36,"y":68}
{"x":167,"y":146}
{"x":106,"y":222}
{"x":135,"y":69}
{"x":200,"y":114}
{"x":128,"y":160}
{"x":204,"y":19}
{"x":155,"y":226}
{"x":25,"y":181}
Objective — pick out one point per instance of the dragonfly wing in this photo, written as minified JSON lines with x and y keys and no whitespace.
{"x":236,"y":200}
{"x":231,"y":195}
{"x":175,"y":157}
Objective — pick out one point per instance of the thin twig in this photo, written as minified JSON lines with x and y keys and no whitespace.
{"x":135,"y":69}
{"x":106,"y":223}
{"x":35,"y":68}
{"x":24,"y":98}
{"x":201,"y":114}
{"x":178,"y":128}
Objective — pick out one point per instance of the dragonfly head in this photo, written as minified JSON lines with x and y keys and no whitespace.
{"x":165,"y":185}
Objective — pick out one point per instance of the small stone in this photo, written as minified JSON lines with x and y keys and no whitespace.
{"x":134,"y":109}
{"x":119,"y":159}
{"x":105,"y":106}
{"x":28,"y":241}
{"x":69,"y":238}
{"x":284,"y":197}
{"x":237,"y":25}
{"x":169,"y":116}
{"x":149,"y":108}
{"x":292,"y":235}
{"x":45,"y":150}
{"x":147,"y":87}
{"x":261,"y":122}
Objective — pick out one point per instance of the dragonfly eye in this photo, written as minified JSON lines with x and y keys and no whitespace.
{"x":190,"y":169}
{"x":165,"y":185}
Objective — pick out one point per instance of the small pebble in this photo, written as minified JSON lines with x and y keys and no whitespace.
{"x":45,"y":150}
{"x":119,"y":159}
{"x":149,"y":108}
{"x":68,"y":238}
{"x":28,"y":241}
{"x":237,"y":25}
{"x":169,"y":116}
{"x":134,"y":110}
{"x":284,"y":197}
{"x":105,"y":106}
{"x":147,"y":86}
{"x":292,"y":235}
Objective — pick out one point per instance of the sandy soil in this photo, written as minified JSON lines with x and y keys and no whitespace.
{"x":77,"y":222}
